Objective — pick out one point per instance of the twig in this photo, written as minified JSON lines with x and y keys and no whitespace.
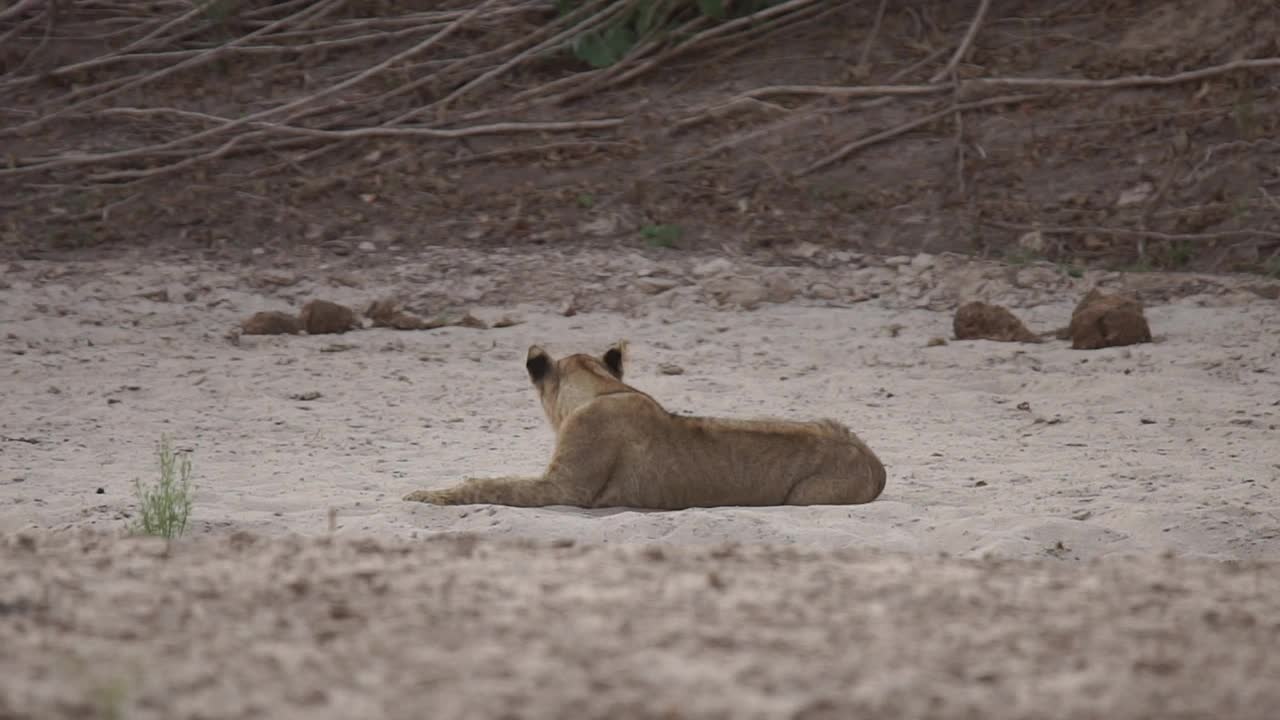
{"x":960,"y":154}
{"x":1262,"y":189}
{"x":17,"y":30}
{"x":20,"y":7}
{"x":51,"y":15}
{"x":629,"y":72}
{"x":1127,"y":81}
{"x":846,"y":91}
{"x":871,"y":36}
{"x":1151,"y":234}
{"x":319,"y":8}
{"x":373,"y":132}
{"x":546,"y":147}
{"x":255,"y":117}
{"x":575,"y":25}
{"x":965,"y":43}
{"x":879,"y":137}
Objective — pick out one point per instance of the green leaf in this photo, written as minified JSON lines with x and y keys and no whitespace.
{"x":661,"y":235}
{"x":645,"y":18}
{"x":603,"y":50}
{"x":712,"y":8}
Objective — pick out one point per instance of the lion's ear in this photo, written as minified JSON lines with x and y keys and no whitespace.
{"x":538,"y":363}
{"x":614,"y":357}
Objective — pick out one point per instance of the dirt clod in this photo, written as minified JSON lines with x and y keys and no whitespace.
{"x":389,"y":313}
{"x":984,"y":321}
{"x":321,"y":317}
{"x":271,"y":322}
{"x":1108,"y":321}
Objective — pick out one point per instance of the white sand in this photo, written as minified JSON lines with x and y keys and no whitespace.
{"x":1166,"y":446}
{"x":1036,"y":464}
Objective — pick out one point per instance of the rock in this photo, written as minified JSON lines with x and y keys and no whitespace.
{"x":366,"y":246}
{"x":1108,"y":321}
{"x":824,"y":291}
{"x":744,"y":293}
{"x":569,"y":307}
{"x":271,"y":322}
{"x":717,"y":266}
{"x":670,"y":369}
{"x":1037,"y":277}
{"x":1270,"y":291}
{"x":470,"y":321}
{"x":922,"y":262}
{"x":897,"y":261}
{"x":656,"y":285}
{"x":273,"y":279}
{"x":389,"y":313}
{"x":602,"y":226}
{"x":779,"y":288}
{"x":639,"y":264}
{"x":321,"y":317}
{"x":984,"y":321}
{"x":804,"y":250}
{"x":1136,"y":195}
{"x":1032,"y":242}
{"x":382,"y":312}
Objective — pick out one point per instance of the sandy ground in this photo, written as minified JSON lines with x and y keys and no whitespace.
{"x":1032,"y":468}
{"x":291,"y":628}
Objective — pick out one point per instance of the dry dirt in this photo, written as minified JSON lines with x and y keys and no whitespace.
{"x":1172,"y":173}
{"x":457,"y":628}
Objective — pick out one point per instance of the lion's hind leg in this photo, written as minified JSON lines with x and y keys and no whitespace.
{"x":834,"y":490}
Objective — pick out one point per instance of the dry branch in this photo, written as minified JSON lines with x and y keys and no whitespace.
{"x":893,"y":132}
{"x":965,"y":44}
{"x":1133,"y":232}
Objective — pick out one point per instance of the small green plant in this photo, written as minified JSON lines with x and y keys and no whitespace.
{"x":1245,"y":113}
{"x":640,"y":21}
{"x":1020,"y":256}
{"x":111,"y":699}
{"x":661,"y":235}
{"x":165,"y":506}
{"x":1181,"y":253}
{"x":586,"y":200}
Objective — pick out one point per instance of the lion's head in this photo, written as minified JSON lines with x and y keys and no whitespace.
{"x":567,"y":384}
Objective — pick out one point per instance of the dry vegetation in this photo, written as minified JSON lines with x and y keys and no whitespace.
{"x":1132,"y":133}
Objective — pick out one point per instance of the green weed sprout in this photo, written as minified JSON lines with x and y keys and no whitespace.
{"x":166,"y":505}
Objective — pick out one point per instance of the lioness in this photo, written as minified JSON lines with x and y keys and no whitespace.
{"x":616,"y":446}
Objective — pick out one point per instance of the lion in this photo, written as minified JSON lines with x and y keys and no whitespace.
{"x":618,"y":447}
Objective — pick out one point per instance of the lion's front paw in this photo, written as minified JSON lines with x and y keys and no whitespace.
{"x":424,"y":496}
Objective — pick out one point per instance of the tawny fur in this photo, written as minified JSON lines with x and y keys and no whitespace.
{"x":617,"y":447}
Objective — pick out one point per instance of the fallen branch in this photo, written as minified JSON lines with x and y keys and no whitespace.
{"x":965,"y":43}
{"x":1122,"y":82}
{"x":871,"y":36}
{"x":906,"y":127}
{"x":1132,"y":232}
